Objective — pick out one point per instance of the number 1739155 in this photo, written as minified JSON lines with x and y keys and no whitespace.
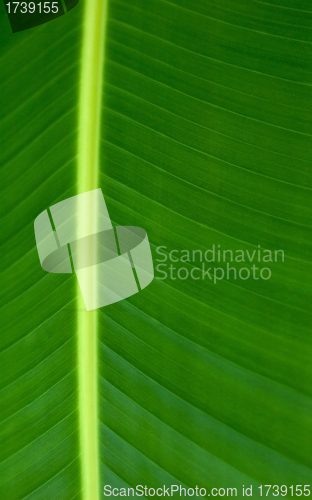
{"x":32,"y":7}
{"x":293,"y":490}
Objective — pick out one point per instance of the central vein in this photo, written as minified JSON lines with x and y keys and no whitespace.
{"x":90,"y":104}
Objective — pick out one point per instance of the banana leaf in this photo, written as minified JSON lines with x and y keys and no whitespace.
{"x":194,"y":118}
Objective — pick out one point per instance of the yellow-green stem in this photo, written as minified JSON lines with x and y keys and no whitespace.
{"x":90,"y":99}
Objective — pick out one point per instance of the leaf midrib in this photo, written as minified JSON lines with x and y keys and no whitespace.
{"x":89,"y":120}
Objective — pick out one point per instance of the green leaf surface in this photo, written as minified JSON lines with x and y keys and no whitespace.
{"x":200,"y":133}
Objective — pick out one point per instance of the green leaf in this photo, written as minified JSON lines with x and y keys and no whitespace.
{"x":195,"y":120}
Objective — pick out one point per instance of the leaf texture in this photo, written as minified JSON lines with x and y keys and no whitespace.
{"x":205,"y":139}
